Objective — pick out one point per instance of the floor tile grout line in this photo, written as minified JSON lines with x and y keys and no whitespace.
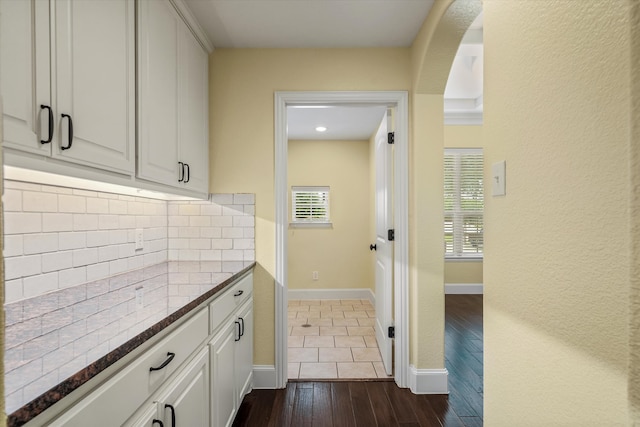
{"x":351,"y":349}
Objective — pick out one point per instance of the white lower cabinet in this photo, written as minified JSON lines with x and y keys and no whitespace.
{"x":195,"y":375}
{"x":223,"y":363}
{"x":232,"y":365}
{"x":244,"y":353}
{"x":184,"y":402}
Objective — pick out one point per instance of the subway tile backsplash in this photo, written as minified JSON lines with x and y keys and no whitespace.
{"x":57,"y":237}
{"x":221,"y":229}
{"x":71,"y":267}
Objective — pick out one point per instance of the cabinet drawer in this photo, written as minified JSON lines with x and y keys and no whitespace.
{"x":117,"y":399}
{"x":229,"y":301}
{"x":183,"y":342}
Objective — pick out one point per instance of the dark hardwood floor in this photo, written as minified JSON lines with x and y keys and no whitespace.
{"x":382,"y":403}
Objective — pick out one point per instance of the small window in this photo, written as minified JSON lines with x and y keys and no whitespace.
{"x":310,"y":206}
{"x":463,"y":203}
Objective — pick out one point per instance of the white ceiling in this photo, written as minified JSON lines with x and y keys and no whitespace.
{"x":342,"y":122}
{"x":342,"y":24}
{"x":310,"y":23}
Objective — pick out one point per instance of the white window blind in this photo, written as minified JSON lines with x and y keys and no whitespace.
{"x":310,"y":205}
{"x":463,"y":203}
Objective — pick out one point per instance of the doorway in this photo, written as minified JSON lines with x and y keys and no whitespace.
{"x":398,"y":101}
{"x":336,"y":313}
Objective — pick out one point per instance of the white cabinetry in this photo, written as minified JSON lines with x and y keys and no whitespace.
{"x":172,"y":99}
{"x":223,"y":376}
{"x":232,"y":356}
{"x":68,"y":82}
{"x":186,"y":399}
{"x":244,"y":353}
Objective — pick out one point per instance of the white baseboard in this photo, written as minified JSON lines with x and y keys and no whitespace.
{"x":332,"y":294}
{"x":264,"y":376}
{"x":463,"y":288}
{"x":428,"y":381}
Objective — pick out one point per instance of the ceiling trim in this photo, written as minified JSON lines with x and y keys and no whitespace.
{"x":185,"y":12}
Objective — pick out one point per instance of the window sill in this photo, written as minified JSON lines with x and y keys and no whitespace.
{"x":310,"y":225}
{"x":463,"y":258}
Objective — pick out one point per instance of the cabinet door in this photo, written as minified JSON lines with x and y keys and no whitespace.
{"x":187,"y":402}
{"x":149,"y":416}
{"x":94,"y":77}
{"x":193,"y":110}
{"x":244,"y":352}
{"x":223,"y":402}
{"x":182,"y":402}
{"x":158,"y":27}
{"x":24,"y":74}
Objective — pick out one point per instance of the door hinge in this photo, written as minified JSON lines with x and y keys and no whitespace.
{"x":391,"y":235}
{"x":391,"y":137}
{"x":392,"y":332}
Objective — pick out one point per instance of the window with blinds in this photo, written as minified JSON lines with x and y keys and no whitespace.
{"x":310,"y":205}
{"x":463,"y":203}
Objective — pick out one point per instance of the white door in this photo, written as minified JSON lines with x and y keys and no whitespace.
{"x":384,"y":247}
{"x":94,"y":75}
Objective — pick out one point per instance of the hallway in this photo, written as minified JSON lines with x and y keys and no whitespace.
{"x":382,"y":403}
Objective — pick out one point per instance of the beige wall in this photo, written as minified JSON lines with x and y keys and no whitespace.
{"x":339,"y":254}
{"x":3,"y":419}
{"x":432,"y":53}
{"x":463,"y":271}
{"x":242,"y":86}
{"x":372,"y":206}
{"x":426,"y":216}
{"x":634,"y":336}
{"x":557,"y":265}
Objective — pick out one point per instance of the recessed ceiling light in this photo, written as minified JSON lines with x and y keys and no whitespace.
{"x":321,"y":129}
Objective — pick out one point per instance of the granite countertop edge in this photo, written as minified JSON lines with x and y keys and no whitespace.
{"x":47,"y":399}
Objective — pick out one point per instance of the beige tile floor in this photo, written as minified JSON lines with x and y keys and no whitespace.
{"x":340,"y":343}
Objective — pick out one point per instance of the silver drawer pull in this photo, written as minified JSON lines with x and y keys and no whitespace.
{"x":168,"y":360}
{"x":237,"y":294}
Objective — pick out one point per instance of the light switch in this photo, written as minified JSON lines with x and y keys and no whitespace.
{"x":498,"y":172}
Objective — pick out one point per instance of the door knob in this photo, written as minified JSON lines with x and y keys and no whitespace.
{"x":373,"y":247}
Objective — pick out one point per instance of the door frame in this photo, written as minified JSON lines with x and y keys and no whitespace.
{"x":398,"y":100}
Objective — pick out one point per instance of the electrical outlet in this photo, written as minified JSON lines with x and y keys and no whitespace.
{"x":139,"y":297}
{"x":314,"y":275}
{"x":139,"y":238}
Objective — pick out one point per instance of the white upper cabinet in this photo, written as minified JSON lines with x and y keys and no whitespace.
{"x":194,"y":110}
{"x":68,"y":80}
{"x":172,"y":99}
{"x":95,"y":82}
{"x":158,"y":92}
{"x":24,"y":75}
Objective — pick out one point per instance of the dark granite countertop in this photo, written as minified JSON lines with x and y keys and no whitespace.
{"x":174,"y":289}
